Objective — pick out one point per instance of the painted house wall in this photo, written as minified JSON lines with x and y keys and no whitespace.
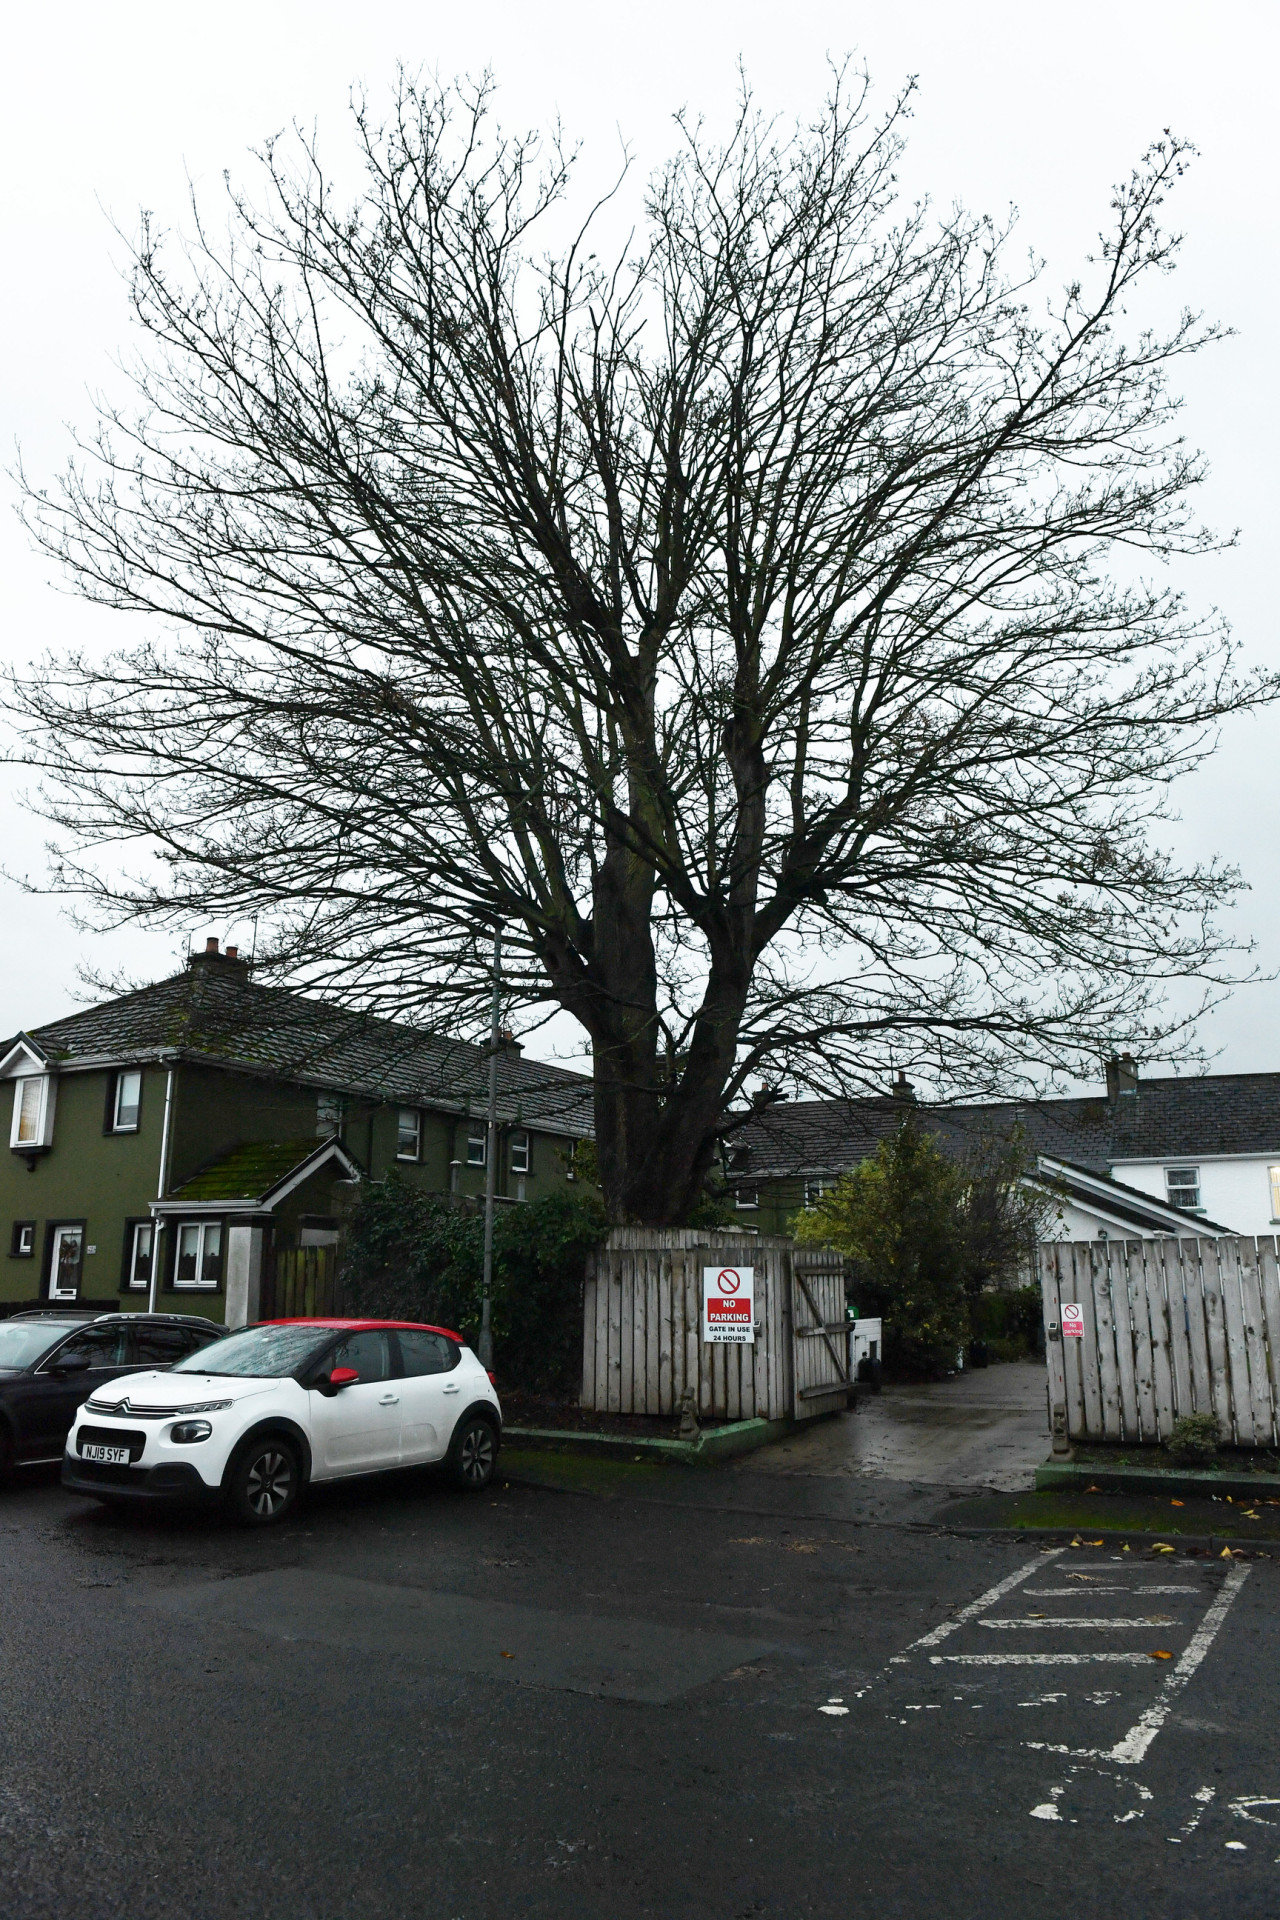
{"x":87,"y":1174}
{"x":1235,"y":1189}
{"x":108,"y":1180}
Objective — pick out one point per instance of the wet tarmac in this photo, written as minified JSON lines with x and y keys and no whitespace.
{"x":984,"y":1428}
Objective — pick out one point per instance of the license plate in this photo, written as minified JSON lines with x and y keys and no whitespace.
{"x":111,"y":1456}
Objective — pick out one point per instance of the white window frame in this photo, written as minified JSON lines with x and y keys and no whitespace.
{"x":136,"y":1229}
{"x":202,"y":1229}
{"x":747,"y":1199}
{"x":331,"y":1113}
{"x":477,"y":1137}
{"x":521,"y":1151}
{"x":24,"y":1229}
{"x":1174,"y":1186}
{"x":1273,"y":1175}
{"x":42,"y":1133}
{"x":414,"y":1115}
{"x":814,"y":1192}
{"x":117,"y":1124}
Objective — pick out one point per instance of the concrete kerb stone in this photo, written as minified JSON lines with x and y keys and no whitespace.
{"x":1080,"y":1477}
{"x":712,"y":1445}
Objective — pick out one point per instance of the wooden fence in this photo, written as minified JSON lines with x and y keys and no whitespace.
{"x":298,"y":1282}
{"x":1170,"y":1327}
{"x":642,"y":1328}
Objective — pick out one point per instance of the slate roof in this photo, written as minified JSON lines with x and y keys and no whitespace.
{"x":214,"y":1011}
{"x":1165,"y":1119}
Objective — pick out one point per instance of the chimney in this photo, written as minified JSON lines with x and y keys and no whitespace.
{"x":231,"y":957}
{"x":1122,"y":1076}
{"x":507,"y":1042}
{"x":902,"y":1088}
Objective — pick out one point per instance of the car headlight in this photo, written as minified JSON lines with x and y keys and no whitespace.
{"x":187,"y":1432}
{"x":206,"y":1406}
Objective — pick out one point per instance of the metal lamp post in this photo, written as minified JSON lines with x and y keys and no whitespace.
{"x":491,"y":1158}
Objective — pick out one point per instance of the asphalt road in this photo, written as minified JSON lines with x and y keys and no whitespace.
{"x":722,"y":1696}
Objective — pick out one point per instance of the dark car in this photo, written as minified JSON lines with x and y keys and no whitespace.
{"x":50,"y":1361}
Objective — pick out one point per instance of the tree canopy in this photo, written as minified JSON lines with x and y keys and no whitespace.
{"x":731,"y":617}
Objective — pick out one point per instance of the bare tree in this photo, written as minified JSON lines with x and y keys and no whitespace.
{"x":730,"y":620}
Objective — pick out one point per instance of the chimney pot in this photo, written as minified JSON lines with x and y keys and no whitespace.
{"x":211,"y":945}
{"x":232,"y":952}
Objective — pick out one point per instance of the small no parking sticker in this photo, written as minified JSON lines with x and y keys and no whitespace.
{"x":1072,"y":1319}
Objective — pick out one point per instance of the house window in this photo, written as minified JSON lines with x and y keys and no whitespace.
{"x":22,"y":1245}
{"x":126,"y":1101}
{"x":409,"y":1134}
{"x":747,"y":1197}
{"x":477,"y":1144}
{"x":140,"y":1241}
{"x":32,"y":1112}
{"x":329,"y":1113}
{"x":813,"y":1192}
{"x":1273,"y":1173}
{"x":198,"y":1261}
{"x":1183,"y":1185}
{"x":520,"y":1152}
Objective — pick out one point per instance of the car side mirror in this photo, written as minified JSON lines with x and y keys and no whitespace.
{"x":74,"y":1363}
{"x":339,"y":1378}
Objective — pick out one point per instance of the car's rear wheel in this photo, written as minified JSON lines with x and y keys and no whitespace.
{"x":473,"y":1457}
{"x":263,"y":1482}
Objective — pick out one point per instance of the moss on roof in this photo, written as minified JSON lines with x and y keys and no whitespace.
{"x":248,"y":1171}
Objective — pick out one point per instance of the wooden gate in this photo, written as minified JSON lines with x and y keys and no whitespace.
{"x":298,"y":1282}
{"x":642,"y":1328}
{"x":1169,"y":1327}
{"x":821,"y":1334}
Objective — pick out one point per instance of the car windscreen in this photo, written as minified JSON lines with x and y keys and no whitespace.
{"x":23,"y":1341}
{"x":259,"y":1353}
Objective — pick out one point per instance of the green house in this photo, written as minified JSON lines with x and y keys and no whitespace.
{"x":167,"y":1146}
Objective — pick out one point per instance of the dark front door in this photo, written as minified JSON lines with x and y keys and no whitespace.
{"x":47,"y":1400}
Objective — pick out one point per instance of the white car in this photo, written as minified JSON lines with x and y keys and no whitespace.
{"x":252,"y":1419}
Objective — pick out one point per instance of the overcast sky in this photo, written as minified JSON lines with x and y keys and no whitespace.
{"x":109,"y":109}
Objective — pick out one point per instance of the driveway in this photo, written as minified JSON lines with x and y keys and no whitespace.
{"x":985,"y":1428}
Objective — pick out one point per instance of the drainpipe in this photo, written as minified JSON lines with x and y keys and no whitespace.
{"x":164,"y":1174}
{"x":491,"y":1159}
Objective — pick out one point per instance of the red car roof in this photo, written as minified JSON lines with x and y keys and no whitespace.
{"x":363,"y":1326}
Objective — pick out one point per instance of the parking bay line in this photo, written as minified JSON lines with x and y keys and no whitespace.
{"x":1132,"y":1748}
{"x":980,"y":1605}
{"x":1102,"y":1626}
{"x":1039,"y":1659}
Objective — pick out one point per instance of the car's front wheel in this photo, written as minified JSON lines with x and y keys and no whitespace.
{"x":473,"y":1457}
{"x":263,"y":1482}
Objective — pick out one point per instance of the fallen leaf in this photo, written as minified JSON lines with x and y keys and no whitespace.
{"x":508,"y":1656}
{"x":1160,"y":1547}
{"x":1037,"y":1616}
{"x":1161,"y":1654}
{"x":1076,"y":1542}
{"x":1231,"y":1553}
{"x":1093,"y":1543}
{"x":1093,"y":1489}
{"x":1125,"y":1547}
{"x":1248,"y":1513}
{"x":1177,"y":1503}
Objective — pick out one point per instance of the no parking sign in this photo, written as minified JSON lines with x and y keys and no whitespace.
{"x":728,"y":1306}
{"x":1072,"y":1320}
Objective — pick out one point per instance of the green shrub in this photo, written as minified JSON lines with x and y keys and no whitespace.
{"x":411,"y":1255}
{"x":1194,"y":1440}
{"x":1008,"y":1321}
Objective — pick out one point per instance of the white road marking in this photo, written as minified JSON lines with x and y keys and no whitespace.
{"x":1105,"y":1626}
{"x":1202,"y":1799}
{"x":1039,"y":1659}
{"x":1083,"y":1593}
{"x":981,"y":1604}
{"x":1241,"y":1808}
{"x":1133,"y":1748}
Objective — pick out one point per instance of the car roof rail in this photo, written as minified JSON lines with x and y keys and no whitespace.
{"x":169,"y":1319}
{"x":51,"y":1313}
